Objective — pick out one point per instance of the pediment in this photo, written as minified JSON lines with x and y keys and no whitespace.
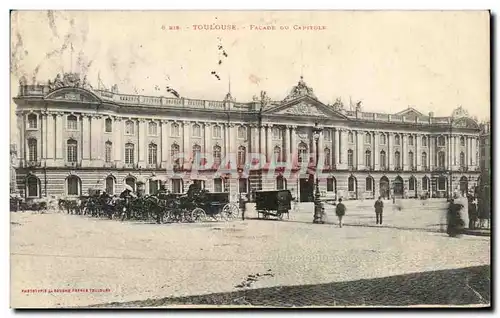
{"x":465,"y":122}
{"x":72,"y":94}
{"x":305,"y":107}
{"x":410,"y":112}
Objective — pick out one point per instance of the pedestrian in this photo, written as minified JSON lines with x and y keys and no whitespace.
{"x":340,"y":211}
{"x":454,"y":221}
{"x":243,"y":206}
{"x":379,"y":209}
{"x":472,"y":211}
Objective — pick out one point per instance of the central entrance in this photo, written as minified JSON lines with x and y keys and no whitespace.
{"x":307,"y":189}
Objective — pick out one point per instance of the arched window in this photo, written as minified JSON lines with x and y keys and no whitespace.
{"x":383,"y":160}
{"x":351,"y":184}
{"x":152,"y":128}
{"x":441,"y":159}
{"x":397,"y":140}
{"x":196,"y":130}
{"x":368,"y":138}
{"x":129,"y":127}
{"x":350,"y":159}
{"x":397,"y":160}
{"x":242,"y":151}
{"x":462,"y":141}
{"x":424,"y":160}
{"x":72,"y":150}
{"x":174,"y":153}
{"x":368,"y":158}
{"x":302,"y":152}
{"x":218,"y":186}
{"x":424,"y":141}
{"x":276,"y":133}
{"x":369,"y":184}
{"x":174,"y":130}
{"x":130,"y":181}
{"x":412,"y":184}
{"x":129,"y":153}
{"x":350,"y":137}
{"x":110,"y":185}
{"x":462,"y":159}
{"x":277,"y":154}
{"x":32,"y":187}
{"x":32,"y":121}
{"x":242,"y":132}
{"x":154,"y":186}
{"x":72,"y":122}
{"x":441,"y":141}
{"x":196,"y":154}
{"x":330,"y":185}
{"x":410,"y":140}
{"x":243,"y":185}
{"x":217,"y":151}
{"x":177,"y":186}
{"x":108,"y":147}
{"x":383,"y":140}
{"x":108,"y":125}
{"x":73,"y":185}
{"x":442,"y":183}
{"x":280,"y":183}
{"x":217,"y":131}
{"x":425,"y":184}
{"x":152,"y":154}
{"x":32,"y":149}
{"x":328,"y":156}
{"x":410,"y":159}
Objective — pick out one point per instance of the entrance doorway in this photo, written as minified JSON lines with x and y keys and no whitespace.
{"x":384,"y":188}
{"x":398,"y":186}
{"x":464,"y":185}
{"x":307,"y":189}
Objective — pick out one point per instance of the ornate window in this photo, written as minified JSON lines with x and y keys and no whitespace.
{"x":442,"y":183}
{"x":350,"y":137}
{"x":32,"y":121}
{"x":242,"y":132}
{"x":302,"y":153}
{"x":72,"y":150}
{"x":368,"y":138}
{"x":217,"y":151}
{"x":217,"y":131}
{"x":196,"y":130}
{"x":277,"y":154}
{"x":410,"y":159}
{"x":276,"y":133}
{"x":351,"y":184}
{"x":152,"y":154}
{"x":152,"y":128}
{"x":425,"y":183}
{"x":462,"y":159}
{"x":441,"y":159}
{"x":397,"y":160}
{"x":129,"y":153}
{"x":350,"y":159}
{"x":108,"y":125}
{"x":424,"y":141}
{"x":441,"y":141}
{"x":242,"y":151}
{"x":32,"y":190}
{"x":218,"y":186}
{"x":410,"y":140}
{"x":110,"y":185}
{"x":32,"y":149}
{"x":72,"y":122}
{"x":383,"y":139}
{"x":412,"y":184}
{"x":397,"y":140}
{"x":196,"y":154}
{"x":327,"y":133}
{"x":368,"y":158}
{"x":328,"y":156}
{"x":383,"y":160}
{"x":174,"y":153}
{"x":108,"y":147}
{"x":424,"y":160}
{"x":369,"y":184}
{"x":462,"y":141}
{"x":174,"y":130}
{"x":73,"y":185}
{"x":330,"y":185}
{"x":129,"y":127}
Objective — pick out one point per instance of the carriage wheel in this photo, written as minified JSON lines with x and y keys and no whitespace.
{"x":231,"y":211}
{"x":198,"y":215}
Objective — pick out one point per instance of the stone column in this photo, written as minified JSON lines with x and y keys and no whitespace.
{"x":21,"y":136}
{"x":43,"y":135}
{"x":336,"y":147}
{"x":404,"y":149}
{"x":50,"y":136}
{"x":474,"y":145}
{"x":165,"y":147}
{"x":186,"y":149}
{"x":59,"y":142}
{"x":142,"y":147}
{"x":269,"y":142}
{"x":86,"y":141}
{"x":232,"y":141}
{"x":227,"y":143}
{"x":467,"y":151}
{"x":208,"y":139}
{"x":286,"y":152}
{"x":390,"y":151}
{"x":376,"y":153}
{"x":321,"y":145}
{"x":359,"y":150}
{"x":118,"y":145}
{"x":344,"y":147}
{"x":418,"y":155}
{"x":457,"y":151}
{"x":262,"y":144}
{"x":293,"y":143}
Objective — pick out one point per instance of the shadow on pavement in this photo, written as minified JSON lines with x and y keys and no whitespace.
{"x":464,"y":286}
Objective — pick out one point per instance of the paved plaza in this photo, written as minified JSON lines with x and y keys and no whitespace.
{"x":131,"y":261}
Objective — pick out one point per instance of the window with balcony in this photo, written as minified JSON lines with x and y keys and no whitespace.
{"x":441,"y":160}
{"x":196,"y":156}
{"x":72,"y":122}
{"x":174,"y":153}
{"x":32,"y":150}
{"x":217,"y":131}
{"x":383,"y":160}
{"x":350,"y":158}
{"x":129,"y":153}
{"x":328,"y":156}
{"x":242,"y":132}
{"x":462,"y":141}
{"x":129,"y":127}
{"x":217,"y":152}
{"x":242,"y":151}
{"x":108,"y":125}
{"x":368,"y":159}
{"x":277,"y":154}
{"x":152,"y":154}
{"x":72,"y":150}
{"x":108,"y":147}
{"x":32,"y":121}
{"x":397,"y":160}
{"x":152,"y":128}
{"x":302,"y":153}
{"x":174,"y":130}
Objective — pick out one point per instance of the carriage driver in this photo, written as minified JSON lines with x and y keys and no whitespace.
{"x":127,"y":195}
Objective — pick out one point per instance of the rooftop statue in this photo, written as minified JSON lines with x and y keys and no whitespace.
{"x":301,"y":89}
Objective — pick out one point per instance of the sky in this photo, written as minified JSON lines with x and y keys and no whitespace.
{"x":432,"y":61}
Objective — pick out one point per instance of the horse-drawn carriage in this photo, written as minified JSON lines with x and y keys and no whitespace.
{"x":215,"y":205}
{"x":274,"y":203}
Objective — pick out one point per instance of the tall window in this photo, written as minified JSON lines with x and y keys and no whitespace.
{"x":442,"y":183}
{"x":383,"y":160}
{"x":243,"y":185}
{"x":177,"y":186}
{"x":276,"y":133}
{"x":218,"y":185}
{"x":424,"y":160}
{"x":462,"y":159}
{"x":411,"y":184}
{"x":217,"y":155}
{"x":327,"y":133}
{"x":72,"y":150}
{"x":242,"y":132}
{"x":368,"y":158}
{"x":397,"y":160}
{"x":462,"y":141}
{"x":424,"y":141}
{"x":277,"y":154}
{"x":410,"y":159}
{"x":330,"y":185}
{"x":108,"y":147}
{"x":130,"y":181}
{"x":110,"y":185}
{"x":108,"y":125}
{"x":302,"y":152}
{"x":174,"y":153}
{"x":154,"y":186}
{"x":369,"y":184}
{"x":350,"y":159}
{"x":32,"y":149}
{"x":32,"y":187}
{"x":241,"y":155}
{"x":397,"y":140}
{"x":129,"y":127}
{"x":196,"y":154}
{"x":72,"y":122}
{"x":383,"y":139}
{"x":196,"y":130}
{"x":152,"y":128}
{"x":328,"y":156}
{"x":350,"y":137}
{"x":174,"y":130}
{"x":129,"y":153}
{"x":152,"y":154}
{"x":217,"y":131}
{"x":280,"y":183}
{"x":351,"y":184}
{"x":441,"y":141}
{"x":441,"y":159}
{"x":410,"y":140}
{"x":32,"y":121}
{"x":425,"y":183}
{"x":73,"y":185}
{"x":368,"y":138}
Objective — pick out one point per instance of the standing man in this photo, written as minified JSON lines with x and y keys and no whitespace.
{"x":340,"y":211}
{"x":472,"y":211}
{"x":379,"y":210}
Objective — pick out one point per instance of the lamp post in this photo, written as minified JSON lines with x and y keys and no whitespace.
{"x":318,"y":207}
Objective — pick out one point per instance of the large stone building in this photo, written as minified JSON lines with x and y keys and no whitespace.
{"x":72,"y":138}
{"x":485,"y":153}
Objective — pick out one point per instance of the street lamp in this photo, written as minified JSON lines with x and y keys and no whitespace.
{"x":318,"y":207}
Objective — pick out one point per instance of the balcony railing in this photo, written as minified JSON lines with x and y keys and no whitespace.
{"x":72,"y":164}
{"x":152,"y":166}
{"x":33,"y":164}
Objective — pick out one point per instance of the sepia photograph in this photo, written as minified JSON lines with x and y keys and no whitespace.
{"x":250,"y":159}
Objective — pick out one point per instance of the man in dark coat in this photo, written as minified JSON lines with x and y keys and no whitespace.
{"x":454,"y":221}
{"x":340,"y":211}
{"x":472,"y":210}
{"x":379,"y":210}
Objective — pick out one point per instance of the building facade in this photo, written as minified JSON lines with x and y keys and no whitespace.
{"x":72,"y":138}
